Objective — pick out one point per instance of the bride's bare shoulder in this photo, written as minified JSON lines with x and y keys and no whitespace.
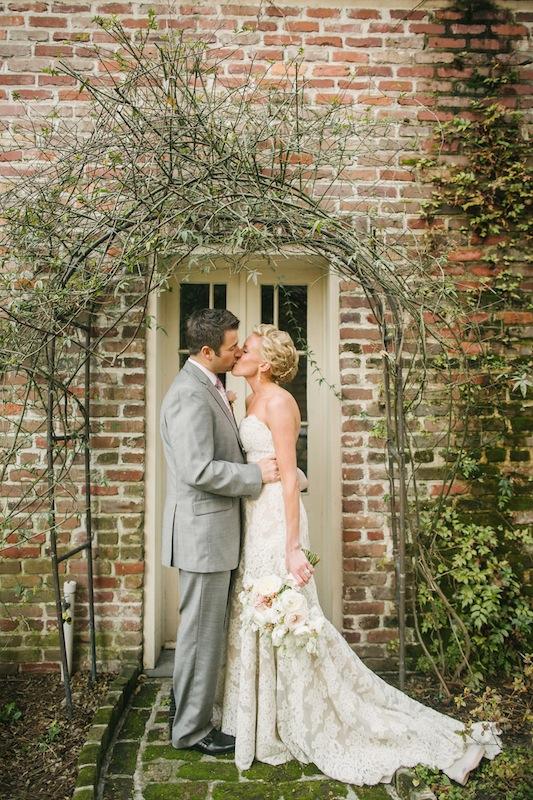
{"x":282,"y":402}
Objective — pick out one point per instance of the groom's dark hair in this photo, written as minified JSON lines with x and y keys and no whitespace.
{"x":207,"y":327}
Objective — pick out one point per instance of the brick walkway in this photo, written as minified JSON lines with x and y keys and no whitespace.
{"x":143,"y":765}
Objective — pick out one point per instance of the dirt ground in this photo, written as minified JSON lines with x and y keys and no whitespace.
{"x":39,"y":746}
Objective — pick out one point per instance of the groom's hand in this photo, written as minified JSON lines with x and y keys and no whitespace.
{"x":269,"y":469}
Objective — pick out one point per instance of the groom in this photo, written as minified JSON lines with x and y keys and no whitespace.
{"x":206,"y":477}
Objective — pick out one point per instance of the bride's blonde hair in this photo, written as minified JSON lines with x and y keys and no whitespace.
{"x":279,"y":350}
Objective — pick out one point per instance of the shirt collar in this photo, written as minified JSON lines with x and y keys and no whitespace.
{"x":211,"y":375}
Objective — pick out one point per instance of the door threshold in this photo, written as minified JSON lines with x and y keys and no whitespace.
{"x":164,"y":666}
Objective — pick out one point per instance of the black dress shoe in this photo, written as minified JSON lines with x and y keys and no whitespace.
{"x":215,"y":743}
{"x":171,"y":712}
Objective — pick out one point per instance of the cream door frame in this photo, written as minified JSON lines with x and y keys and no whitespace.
{"x":160,"y":360}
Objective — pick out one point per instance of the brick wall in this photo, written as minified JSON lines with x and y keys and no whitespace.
{"x":403,"y":66}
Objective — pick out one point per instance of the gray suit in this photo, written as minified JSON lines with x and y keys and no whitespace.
{"x":206,"y":476}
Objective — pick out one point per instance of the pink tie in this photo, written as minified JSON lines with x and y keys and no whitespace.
{"x":220,"y":387}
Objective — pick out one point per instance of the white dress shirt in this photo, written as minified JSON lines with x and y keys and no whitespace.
{"x":214,"y":380}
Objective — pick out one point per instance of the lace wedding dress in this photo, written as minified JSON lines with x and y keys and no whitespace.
{"x":328,"y":707}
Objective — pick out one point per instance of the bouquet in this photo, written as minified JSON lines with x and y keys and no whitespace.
{"x":276,"y":607}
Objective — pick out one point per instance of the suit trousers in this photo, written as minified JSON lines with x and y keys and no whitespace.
{"x":199,"y":650}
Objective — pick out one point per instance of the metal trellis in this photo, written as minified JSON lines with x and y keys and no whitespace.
{"x":53,"y":441}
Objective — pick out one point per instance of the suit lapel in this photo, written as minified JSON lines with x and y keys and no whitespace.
{"x":199,"y":375}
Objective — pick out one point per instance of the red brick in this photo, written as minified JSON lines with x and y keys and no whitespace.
{"x":37,"y":7}
{"x":415,"y":72}
{"x":375,"y":100}
{"x":17,"y":80}
{"x":56,"y":80}
{"x":323,"y":13}
{"x":515,"y":317}
{"x":404,"y":14}
{"x":129,"y":567}
{"x":485,"y":44}
{"x":373,"y":71}
{"x":278,"y":11}
{"x":327,"y":70}
{"x":472,"y":30}
{"x":53,"y":50}
{"x":367,"y":608}
{"x":75,"y":8}
{"x":426,"y":27}
{"x":363,"y":13}
{"x":302,"y":27}
{"x":240,"y":11}
{"x":19,"y":551}
{"x":281,"y":39}
{"x":447,"y":43}
{"x":350,"y":56}
{"x":71,"y":36}
{"x":464,"y":255}
{"x":48,"y":22}
{"x":510,"y":30}
{"x":121,"y":8}
{"x":382,"y":636}
{"x":11,"y":21}
{"x":395,"y":86}
{"x":356,"y":41}
{"x":330,"y":41}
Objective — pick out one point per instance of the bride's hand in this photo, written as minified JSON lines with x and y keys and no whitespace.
{"x":298,"y":566}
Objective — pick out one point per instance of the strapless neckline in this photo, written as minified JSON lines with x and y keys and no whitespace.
{"x":261,"y":422}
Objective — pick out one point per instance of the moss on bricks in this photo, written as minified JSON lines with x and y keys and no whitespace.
{"x":161,"y":716}
{"x":209,"y":771}
{"x":299,"y":790}
{"x":175,"y":791}
{"x":87,"y":793}
{"x":371,"y":793}
{"x":118,"y":789}
{"x":90,"y":754}
{"x":290,"y":771}
{"x":154,"y":751}
{"x":310,"y":769}
{"x":98,"y":734}
{"x":124,"y":758}
{"x":158,"y":735}
{"x":146,"y":695}
{"x":135,"y":723}
{"x":86,"y":776}
{"x":103,"y":715}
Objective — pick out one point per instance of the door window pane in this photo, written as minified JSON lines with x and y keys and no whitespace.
{"x":219,"y":295}
{"x":193,"y":297}
{"x":298,"y":387}
{"x":267,"y":304}
{"x":293,"y":313}
{"x":286,"y":307}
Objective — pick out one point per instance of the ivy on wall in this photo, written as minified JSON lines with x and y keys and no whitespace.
{"x":477,"y":539}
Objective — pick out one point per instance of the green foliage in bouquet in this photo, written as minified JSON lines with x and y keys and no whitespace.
{"x":313,"y":558}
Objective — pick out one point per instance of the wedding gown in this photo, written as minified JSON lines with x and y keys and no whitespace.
{"x":327,"y":708}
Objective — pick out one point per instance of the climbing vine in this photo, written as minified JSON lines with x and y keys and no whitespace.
{"x":474,"y":541}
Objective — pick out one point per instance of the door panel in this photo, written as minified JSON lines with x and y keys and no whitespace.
{"x":293,"y":298}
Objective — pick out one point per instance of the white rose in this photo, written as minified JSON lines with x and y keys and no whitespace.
{"x":268,"y":585}
{"x":264,"y":616}
{"x":291,"y":600}
{"x":295,"y":620}
{"x":316,"y":620}
{"x":278,"y":634}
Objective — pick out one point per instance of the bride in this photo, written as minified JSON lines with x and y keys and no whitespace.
{"x":325,"y":707}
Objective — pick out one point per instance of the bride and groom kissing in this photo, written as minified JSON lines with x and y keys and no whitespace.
{"x":233,"y":515}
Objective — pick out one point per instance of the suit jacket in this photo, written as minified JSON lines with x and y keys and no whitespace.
{"x":206,"y":476}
